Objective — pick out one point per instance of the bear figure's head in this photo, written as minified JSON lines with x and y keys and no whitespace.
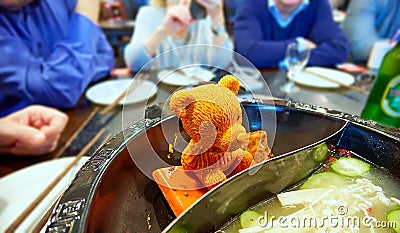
{"x":211,"y":114}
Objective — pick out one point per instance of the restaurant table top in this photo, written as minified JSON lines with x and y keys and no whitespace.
{"x":85,"y":120}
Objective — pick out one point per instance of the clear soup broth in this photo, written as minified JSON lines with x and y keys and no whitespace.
{"x":347,"y":195}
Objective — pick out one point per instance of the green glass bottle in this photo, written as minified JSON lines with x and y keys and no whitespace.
{"x":383,"y":104}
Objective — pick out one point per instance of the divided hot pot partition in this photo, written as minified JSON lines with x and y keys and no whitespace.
{"x":111,"y":194}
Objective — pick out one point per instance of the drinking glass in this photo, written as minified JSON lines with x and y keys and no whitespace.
{"x":295,"y":59}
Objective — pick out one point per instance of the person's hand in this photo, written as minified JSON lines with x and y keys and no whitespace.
{"x":309,"y":44}
{"x":34,"y":130}
{"x":306,"y":43}
{"x":214,"y":9}
{"x":89,"y":8}
{"x":177,"y":18}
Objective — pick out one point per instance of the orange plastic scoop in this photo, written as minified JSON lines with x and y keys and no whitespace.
{"x":179,"y":188}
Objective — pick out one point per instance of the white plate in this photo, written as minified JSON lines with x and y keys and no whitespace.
{"x":20,"y":188}
{"x":311,"y":80}
{"x":185,"y":76}
{"x":106,"y":92}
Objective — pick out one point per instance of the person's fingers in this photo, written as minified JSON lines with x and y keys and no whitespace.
{"x":49,"y":145}
{"x":53,"y":145}
{"x":16,"y":127}
{"x":180,"y":15}
{"x":34,"y":130}
{"x":29,"y":141}
{"x":311,"y":45}
{"x":213,"y":7}
{"x":48,"y":120}
{"x":55,"y":125}
{"x":25,"y":134}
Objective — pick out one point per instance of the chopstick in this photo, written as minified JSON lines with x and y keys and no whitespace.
{"x":73,"y":136}
{"x":115,"y":102}
{"x":46,"y":216}
{"x":14,"y":225}
{"x":351,"y":87}
{"x":128,"y":90}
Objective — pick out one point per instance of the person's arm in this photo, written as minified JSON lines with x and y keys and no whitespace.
{"x":359,"y":27}
{"x":220,"y":57}
{"x":215,"y":10}
{"x":60,"y":78}
{"x":89,"y":8}
{"x":153,"y":26}
{"x":147,"y":20}
{"x":34,"y":130}
{"x":332,"y":45}
{"x":249,"y":40}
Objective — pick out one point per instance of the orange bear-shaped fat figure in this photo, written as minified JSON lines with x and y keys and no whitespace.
{"x":211,"y":115}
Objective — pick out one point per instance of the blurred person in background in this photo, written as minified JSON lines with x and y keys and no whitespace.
{"x":168,"y":24}
{"x":368,"y":21}
{"x":34,"y":130}
{"x":264,"y":28}
{"x":132,"y":6}
{"x":50,"y":51}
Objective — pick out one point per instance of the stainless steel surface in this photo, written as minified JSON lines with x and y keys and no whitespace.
{"x":111,"y":194}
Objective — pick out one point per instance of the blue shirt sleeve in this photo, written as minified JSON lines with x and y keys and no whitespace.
{"x":59,"y":79}
{"x":332,"y":45}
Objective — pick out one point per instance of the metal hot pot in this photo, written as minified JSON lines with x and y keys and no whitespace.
{"x":111,"y":193}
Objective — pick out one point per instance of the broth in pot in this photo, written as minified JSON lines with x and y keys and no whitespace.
{"x":348,"y":194}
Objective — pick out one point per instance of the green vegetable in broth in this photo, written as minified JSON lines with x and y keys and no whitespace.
{"x":394,"y":216}
{"x":319,"y":152}
{"x":325,"y":180}
{"x":349,"y":189}
{"x":249,"y":218}
{"x":350,"y":166}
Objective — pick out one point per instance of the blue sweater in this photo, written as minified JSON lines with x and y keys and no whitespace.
{"x":259,"y":38}
{"x":49,"y":55}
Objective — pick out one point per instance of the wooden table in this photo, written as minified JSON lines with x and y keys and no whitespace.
{"x":84,"y":117}
{"x":83,"y":114}
{"x":77,"y":116}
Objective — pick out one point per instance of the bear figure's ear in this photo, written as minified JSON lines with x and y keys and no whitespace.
{"x":230,"y":82}
{"x":179,"y":101}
